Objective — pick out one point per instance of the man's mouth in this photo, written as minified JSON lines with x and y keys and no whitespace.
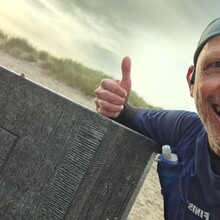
{"x":216,"y":109}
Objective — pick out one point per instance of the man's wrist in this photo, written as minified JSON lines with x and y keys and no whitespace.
{"x":127,"y":116}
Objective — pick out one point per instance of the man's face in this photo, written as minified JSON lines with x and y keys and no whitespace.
{"x":206,"y":90}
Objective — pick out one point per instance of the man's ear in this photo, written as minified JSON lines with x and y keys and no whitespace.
{"x":191,"y":79}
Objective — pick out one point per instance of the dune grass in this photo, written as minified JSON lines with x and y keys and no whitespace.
{"x":68,"y":71}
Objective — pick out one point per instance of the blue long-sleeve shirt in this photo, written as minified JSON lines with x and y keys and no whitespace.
{"x":196,"y":193}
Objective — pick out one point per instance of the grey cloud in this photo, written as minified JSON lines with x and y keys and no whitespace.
{"x":126,"y":16}
{"x":40,"y":6}
{"x":104,"y":58}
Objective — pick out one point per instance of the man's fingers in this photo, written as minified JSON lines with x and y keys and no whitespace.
{"x":109,"y":97}
{"x":112,"y":96}
{"x":126,"y":70}
{"x":126,"y":73}
{"x":106,"y":106}
{"x":108,"y":114}
{"x":113,"y":87}
{"x":125,"y":82}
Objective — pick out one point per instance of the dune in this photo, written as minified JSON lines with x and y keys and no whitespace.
{"x":148,"y":204}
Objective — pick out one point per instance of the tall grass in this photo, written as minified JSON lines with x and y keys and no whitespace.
{"x":68,"y":71}
{"x":74,"y":74}
{"x":20,"y":48}
{"x":3,"y":35}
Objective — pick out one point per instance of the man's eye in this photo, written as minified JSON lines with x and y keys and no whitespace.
{"x":216,"y":64}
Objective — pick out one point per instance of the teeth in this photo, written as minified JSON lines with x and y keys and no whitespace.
{"x":217,"y":108}
{"x":215,"y":102}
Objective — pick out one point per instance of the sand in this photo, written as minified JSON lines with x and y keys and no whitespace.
{"x":148,"y":204}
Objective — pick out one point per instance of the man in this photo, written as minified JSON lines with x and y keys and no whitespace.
{"x":195,"y":138}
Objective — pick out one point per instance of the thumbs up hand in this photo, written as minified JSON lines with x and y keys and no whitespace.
{"x":112,"y":95}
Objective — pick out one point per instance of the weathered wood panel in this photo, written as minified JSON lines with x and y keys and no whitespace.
{"x":59,"y":160}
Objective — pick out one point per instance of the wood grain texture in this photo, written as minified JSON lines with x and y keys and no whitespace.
{"x":60,"y":160}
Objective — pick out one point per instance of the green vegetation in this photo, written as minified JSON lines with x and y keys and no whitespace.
{"x":2,"y":35}
{"x":68,"y":71}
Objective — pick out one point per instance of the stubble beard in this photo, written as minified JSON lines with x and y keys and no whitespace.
{"x":204,"y":117}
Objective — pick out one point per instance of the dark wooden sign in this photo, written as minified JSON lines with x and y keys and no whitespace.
{"x":60,"y":160}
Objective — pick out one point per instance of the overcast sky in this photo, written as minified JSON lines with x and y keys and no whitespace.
{"x":160,"y":36}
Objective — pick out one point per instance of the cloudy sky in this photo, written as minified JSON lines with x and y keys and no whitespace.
{"x":160,"y":36}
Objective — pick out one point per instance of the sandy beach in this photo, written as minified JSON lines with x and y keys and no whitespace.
{"x":148,"y":204}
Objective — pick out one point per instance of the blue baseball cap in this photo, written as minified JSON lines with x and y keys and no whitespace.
{"x":212,"y":30}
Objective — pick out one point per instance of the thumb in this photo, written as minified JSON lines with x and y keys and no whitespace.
{"x":125,"y":82}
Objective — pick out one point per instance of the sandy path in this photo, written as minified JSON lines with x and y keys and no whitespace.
{"x":148,"y":204}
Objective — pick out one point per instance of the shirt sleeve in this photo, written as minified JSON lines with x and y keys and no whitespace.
{"x":162,"y":126}
{"x":127,"y":116}
{"x":165,"y":126}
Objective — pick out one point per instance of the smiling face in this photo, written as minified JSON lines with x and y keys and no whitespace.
{"x":206,"y":90}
